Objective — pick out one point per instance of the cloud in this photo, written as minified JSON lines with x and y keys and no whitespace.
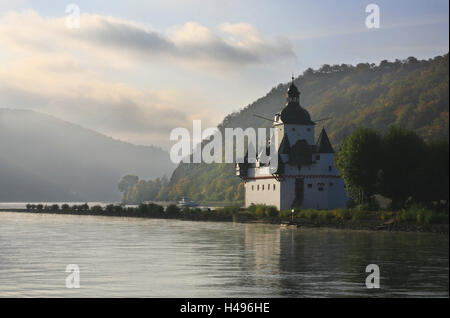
{"x":83,"y":75}
{"x":234,"y":45}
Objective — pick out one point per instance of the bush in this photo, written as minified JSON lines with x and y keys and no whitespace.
{"x":260,"y":211}
{"x":109,"y":209}
{"x":229,"y":210}
{"x":271,"y":211}
{"x":284,"y":214}
{"x":245,"y":216}
{"x":327,"y":215}
{"x":344,"y":214}
{"x":385,"y":215}
{"x":96,"y":209}
{"x":372,"y":205}
{"x":309,"y":214}
{"x":406,"y":216}
{"x":421,"y":214}
{"x":117,"y":209}
{"x":358,"y":214}
{"x":172,"y":211}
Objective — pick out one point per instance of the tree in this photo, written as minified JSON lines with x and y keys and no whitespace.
{"x":401,"y":173}
{"x":126,"y":184}
{"x":172,"y":211}
{"x":359,"y":164}
{"x":96,"y":209}
{"x":434,"y":182}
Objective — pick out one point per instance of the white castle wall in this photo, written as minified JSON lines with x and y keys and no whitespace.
{"x":262,"y":191}
{"x":322,"y":187}
{"x":295,"y":133}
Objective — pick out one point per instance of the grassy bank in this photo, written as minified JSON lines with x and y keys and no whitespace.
{"x":416,"y":218}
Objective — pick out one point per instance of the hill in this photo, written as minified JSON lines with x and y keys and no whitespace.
{"x":43,"y":158}
{"x":410,"y":93}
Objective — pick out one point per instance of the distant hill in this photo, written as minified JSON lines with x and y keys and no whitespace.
{"x":412,"y":94}
{"x":43,"y":158}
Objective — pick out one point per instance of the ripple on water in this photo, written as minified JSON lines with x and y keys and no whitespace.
{"x":168,"y":258}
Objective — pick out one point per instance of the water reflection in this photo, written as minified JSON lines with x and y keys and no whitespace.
{"x":168,"y":258}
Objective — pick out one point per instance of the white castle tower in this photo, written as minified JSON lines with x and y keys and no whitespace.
{"x":306,"y":176}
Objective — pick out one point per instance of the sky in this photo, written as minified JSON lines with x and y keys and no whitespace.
{"x":134,"y":70}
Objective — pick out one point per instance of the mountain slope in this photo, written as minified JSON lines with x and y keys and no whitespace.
{"x":44,"y":158}
{"x":412,"y":94}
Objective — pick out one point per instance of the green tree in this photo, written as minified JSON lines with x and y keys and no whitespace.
{"x":126,"y":184}
{"x":401,"y":173}
{"x":172,"y":211}
{"x":434,"y":173}
{"x":358,"y":162}
{"x":96,"y":209}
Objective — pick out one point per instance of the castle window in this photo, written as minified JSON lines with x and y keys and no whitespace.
{"x":317,"y":157}
{"x":308,"y":129}
{"x":268,"y":186}
{"x":293,"y":128}
{"x":274,"y":187}
{"x":310,"y":185}
{"x":257,"y":187}
{"x":329,"y":168}
{"x":320,"y":186}
{"x":263,"y":187}
{"x":253,"y":187}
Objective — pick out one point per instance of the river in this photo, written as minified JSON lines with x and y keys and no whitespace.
{"x":128,"y":257}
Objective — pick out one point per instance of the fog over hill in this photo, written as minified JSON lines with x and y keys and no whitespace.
{"x":43,"y":158}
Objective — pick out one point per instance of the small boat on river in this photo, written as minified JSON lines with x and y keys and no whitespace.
{"x":186,"y":202}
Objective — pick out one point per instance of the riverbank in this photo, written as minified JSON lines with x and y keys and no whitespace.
{"x":350,"y":219}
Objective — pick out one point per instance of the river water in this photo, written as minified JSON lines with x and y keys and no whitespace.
{"x":128,"y":257}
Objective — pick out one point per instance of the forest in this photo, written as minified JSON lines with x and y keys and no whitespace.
{"x":411,"y":95}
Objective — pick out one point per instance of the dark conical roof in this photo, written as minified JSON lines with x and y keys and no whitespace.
{"x":323,"y":143}
{"x":284,"y":145}
{"x":293,"y":113}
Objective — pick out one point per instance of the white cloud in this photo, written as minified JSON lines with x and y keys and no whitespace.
{"x":67,"y":72}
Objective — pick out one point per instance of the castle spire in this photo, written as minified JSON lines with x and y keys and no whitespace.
{"x":323,"y":143}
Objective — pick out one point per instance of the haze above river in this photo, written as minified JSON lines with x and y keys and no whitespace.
{"x":128,"y":257}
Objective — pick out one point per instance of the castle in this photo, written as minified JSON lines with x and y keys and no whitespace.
{"x":305,"y":176}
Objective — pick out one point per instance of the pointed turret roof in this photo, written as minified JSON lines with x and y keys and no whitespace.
{"x":285,"y":146}
{"x":323,"y":143}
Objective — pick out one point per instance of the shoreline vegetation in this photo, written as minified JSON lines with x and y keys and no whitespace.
{"x":414,"y":219}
